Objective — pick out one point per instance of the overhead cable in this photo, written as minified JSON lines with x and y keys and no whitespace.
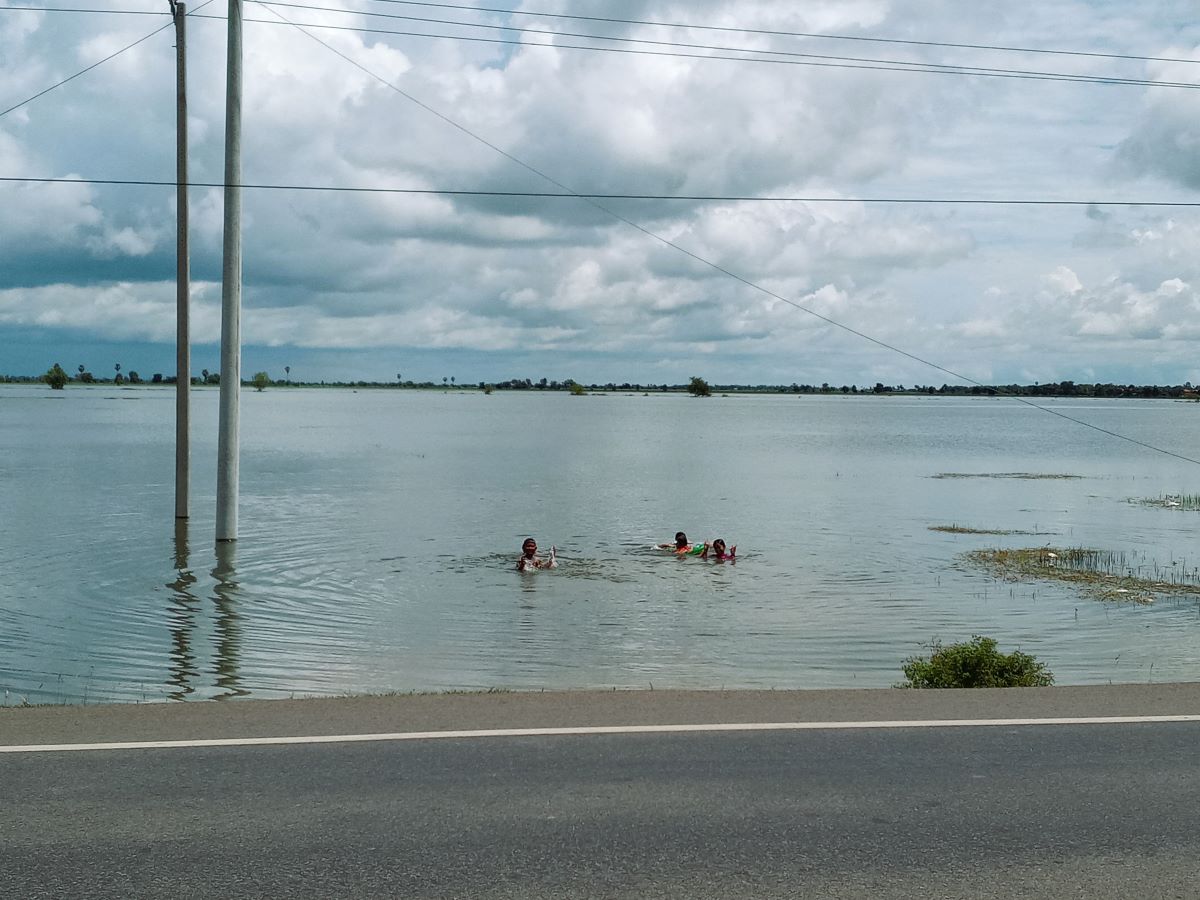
{"x":106,"y":12}
{"x":915,"y":67}
{"x":101,"y":62}
{"x":583,"y":195}
{"x":756,"y":55}
{"x":799,"y":34}
{"x":786,"y":54}
{"x":84,"y":71}
{"x":709,"y":263}
{"x":693,"y":26}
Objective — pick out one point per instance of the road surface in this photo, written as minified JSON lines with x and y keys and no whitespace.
{"x":850,"y":794}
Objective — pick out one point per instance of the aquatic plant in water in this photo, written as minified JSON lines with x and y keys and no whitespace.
{"x":963,"y":529}
{"x":1171,"y":501}
{"x":1104,"y":574}
{"x":1032,"y":476}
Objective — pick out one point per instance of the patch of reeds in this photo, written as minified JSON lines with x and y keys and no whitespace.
{"x":963,"y":529}
{"x":1032,"y":476}
{"x":1104,"y":574}
{"x":1170,"y":501}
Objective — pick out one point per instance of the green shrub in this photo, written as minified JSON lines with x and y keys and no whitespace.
{"x":698,"y":387}
{"x":56,"y":377}
{"x":974,"y":664}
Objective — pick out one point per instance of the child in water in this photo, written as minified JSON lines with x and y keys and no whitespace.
{"x":682,"y":547}
{"x":529,"y":560}
{"x":716,"y":550}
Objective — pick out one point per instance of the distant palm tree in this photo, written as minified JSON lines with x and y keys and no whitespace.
{"x":117,"y":377}
{"x":452,"y":379}
{"x":287,"y":370}
{"x":81,"y":368}
{"x":444,"y":380}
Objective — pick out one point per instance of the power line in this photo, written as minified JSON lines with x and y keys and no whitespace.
{"x":95,"y":64}
{"x":591,"y":200}
{"x":59,"y":84}
{"x":106,"y":12}
{"x":692,"y":26}
{"x":706,"y":262}
{"x":799,"y":34}
{"x":920,"y":68}
{"x":758,"y":55}
{"x":582,"y":195}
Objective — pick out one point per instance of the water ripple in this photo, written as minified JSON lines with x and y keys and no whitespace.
{"x":378,"y":546}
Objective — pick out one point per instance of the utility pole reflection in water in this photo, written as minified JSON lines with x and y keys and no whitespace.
{"x":226,"y":594}
{"x":182,"y":614}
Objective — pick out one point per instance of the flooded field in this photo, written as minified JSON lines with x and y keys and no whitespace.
{"x":379,"y":531}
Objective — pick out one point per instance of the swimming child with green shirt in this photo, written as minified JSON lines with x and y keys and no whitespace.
{"x":681,"y":547}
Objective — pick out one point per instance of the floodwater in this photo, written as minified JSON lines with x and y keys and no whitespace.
{"x":379,"y":531}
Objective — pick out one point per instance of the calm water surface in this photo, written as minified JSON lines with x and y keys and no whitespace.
{"x":378,"y":532}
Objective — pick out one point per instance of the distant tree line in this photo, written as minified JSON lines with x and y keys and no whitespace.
{"x":697,"y":386}
{"x":1056,"y":389}
{"x":57,"y":377}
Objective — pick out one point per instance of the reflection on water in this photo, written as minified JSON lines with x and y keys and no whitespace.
{"x":181,"y":617}
{"x":226,"y":597}
{"x":381,"y":532}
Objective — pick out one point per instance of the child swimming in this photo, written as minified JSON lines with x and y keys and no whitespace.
{"x":528,"y":561}
{"x":716,"y":550}
{"x":682,"y":547}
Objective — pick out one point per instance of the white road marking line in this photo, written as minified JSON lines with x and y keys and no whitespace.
{"x":593,"y":729}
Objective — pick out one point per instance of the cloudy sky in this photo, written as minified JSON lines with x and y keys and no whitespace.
{"x":342,"y":285}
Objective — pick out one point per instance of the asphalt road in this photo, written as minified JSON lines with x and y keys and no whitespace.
{"x":1089,"y":811}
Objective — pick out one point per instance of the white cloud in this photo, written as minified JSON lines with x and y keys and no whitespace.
{"x":991,"y":289}
{"x":1165,"y":141}
{"x":122,"y":311}
{"x":983,"y":328}
{"x":1063,"y":281}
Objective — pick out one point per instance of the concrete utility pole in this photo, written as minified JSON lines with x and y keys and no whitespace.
{"x":231,"y":289}
{"x":183,"y":349}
